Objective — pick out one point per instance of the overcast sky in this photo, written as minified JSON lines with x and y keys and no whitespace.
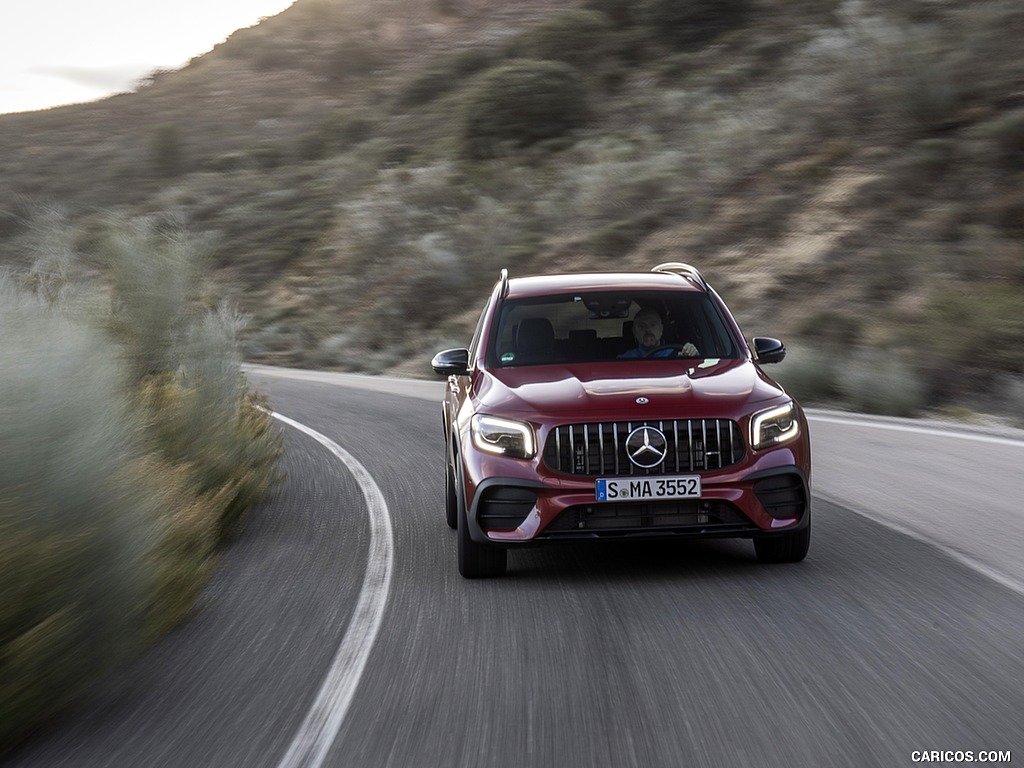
{"x":56,"y":52}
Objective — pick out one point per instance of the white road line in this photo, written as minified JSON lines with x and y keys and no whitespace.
{"x":963,"y":558}
{"x":314,"y":738}
{"x":937,"y":431}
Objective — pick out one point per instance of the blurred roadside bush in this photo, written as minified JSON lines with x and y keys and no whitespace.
{"x":860,"y":379}
{"x":973,"y":338}
{"x":129,"y":452}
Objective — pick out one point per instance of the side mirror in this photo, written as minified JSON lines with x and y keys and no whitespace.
{"x":451,"y":362}
{"x":768,"y":350}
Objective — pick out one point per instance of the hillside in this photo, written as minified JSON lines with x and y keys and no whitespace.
{"x":850,"y":175}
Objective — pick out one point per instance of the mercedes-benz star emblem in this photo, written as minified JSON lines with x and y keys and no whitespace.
{"x":642,"y":401}
{"x":646,"y":447}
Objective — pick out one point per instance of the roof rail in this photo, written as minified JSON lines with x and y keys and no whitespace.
{"x":503,"y":279}
{"x":684,"y":270}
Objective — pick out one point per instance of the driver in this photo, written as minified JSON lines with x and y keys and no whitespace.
{"x":647,"y":329}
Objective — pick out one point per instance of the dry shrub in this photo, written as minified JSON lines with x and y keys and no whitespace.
{"x":881,"y":381}
{"x":576,"y":37}
{"x":73,"y":536}
{"x":683,"y":25}
{"x":131,"y":446}
{"x":522,"y":103}
{"x":183,"y":553}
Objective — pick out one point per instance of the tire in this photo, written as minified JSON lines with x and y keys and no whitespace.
{"x":451,"y":500}
{"x":476,"y":561}
{"x":784,"y":548}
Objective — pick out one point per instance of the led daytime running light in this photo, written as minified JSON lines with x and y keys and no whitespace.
{"x":774,"y":426}
{"x":504,"y":437}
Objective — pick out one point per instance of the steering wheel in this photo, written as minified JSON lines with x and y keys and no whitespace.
{"x":677,"y":348}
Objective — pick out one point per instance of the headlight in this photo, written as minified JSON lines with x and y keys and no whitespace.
{"x":773,"y":426}
{"x":503,"y":436}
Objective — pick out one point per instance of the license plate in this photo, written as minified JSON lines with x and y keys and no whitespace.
{"x":648,"y":488}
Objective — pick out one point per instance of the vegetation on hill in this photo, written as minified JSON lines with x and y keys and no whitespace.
{"x":130,"y":449}
{"x":847,"y":172}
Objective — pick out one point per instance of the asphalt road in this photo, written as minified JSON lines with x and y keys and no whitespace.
{"x":902,"y":630}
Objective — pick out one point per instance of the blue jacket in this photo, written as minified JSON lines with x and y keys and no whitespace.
{"x":643,"y":351}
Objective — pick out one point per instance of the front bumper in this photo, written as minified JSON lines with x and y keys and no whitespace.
{"x":771,"y":494}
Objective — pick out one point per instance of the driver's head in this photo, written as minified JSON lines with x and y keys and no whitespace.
{"x":647,"y":327}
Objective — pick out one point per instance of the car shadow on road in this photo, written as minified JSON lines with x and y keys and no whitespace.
{"x":677,"y":560}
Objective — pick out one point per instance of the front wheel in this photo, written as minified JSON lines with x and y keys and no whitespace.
{"x":451,"y":500}
{"x":785,"y":547}
{"x":476,"y":561}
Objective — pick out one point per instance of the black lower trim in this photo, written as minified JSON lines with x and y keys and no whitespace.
{"x":497,"y":502}
{"x":658,"y":518}
{"x":783,"y":492}
{"x":504,"y":507}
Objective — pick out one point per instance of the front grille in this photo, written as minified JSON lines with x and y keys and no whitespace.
{"x":684,"y":516}
{"x":600,"y":449}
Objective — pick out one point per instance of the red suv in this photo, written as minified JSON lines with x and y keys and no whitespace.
{"x":613,"y":406}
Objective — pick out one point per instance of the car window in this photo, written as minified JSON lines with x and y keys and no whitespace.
{"x":593,"y":327}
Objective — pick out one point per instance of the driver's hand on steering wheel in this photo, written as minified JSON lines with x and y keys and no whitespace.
{"x":688,"y":350}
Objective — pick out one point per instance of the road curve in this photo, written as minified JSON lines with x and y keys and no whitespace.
{"x":900,"y":632}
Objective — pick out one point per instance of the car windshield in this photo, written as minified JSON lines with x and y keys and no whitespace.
{"x":593,"y":327}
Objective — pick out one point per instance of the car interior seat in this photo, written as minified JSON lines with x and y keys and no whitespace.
{"x":535,"y":341}
{"x":583,"y":344}
{"x":628,"y":340}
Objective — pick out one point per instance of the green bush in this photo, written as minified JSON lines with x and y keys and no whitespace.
{"x":690,"y":24}
{"x":154,"y":274}
{"x":276,"y":56}
{"x":203,"y":416}
{"x":927,"y":160}
{"x":185,"y":363}
{"x":617,"y":238}
{"x":267,"y":155}
{"x":809,"y":374}
{"x":832,"y":330}
{"x":876,"y":381}
{"x":522,"y":103}
{"x":1013,"y":397}
{"x":352,"y":58}
{"x":866,"y":380}
{"x":577,"y":37}
{"x":354,"y":129}
{"x":73,"y":533}
{"x":443,"y":77}
{"x":971,"y":335}
{"x":168,"y":151}
{"x":621,"y":12}
{"x":131,"y":447}
{"x":1006,"y":133}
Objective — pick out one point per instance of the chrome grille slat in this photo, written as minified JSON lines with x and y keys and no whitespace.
{"x":689,"y":444}
{"x":597,"y":449}
{"x":586,"y":448}
{"x":675,"y":435}
{"x":629,"y":428}
{"x":572,"y":452}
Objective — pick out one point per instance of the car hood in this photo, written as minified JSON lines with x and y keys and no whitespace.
{"x":673,"y":389}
